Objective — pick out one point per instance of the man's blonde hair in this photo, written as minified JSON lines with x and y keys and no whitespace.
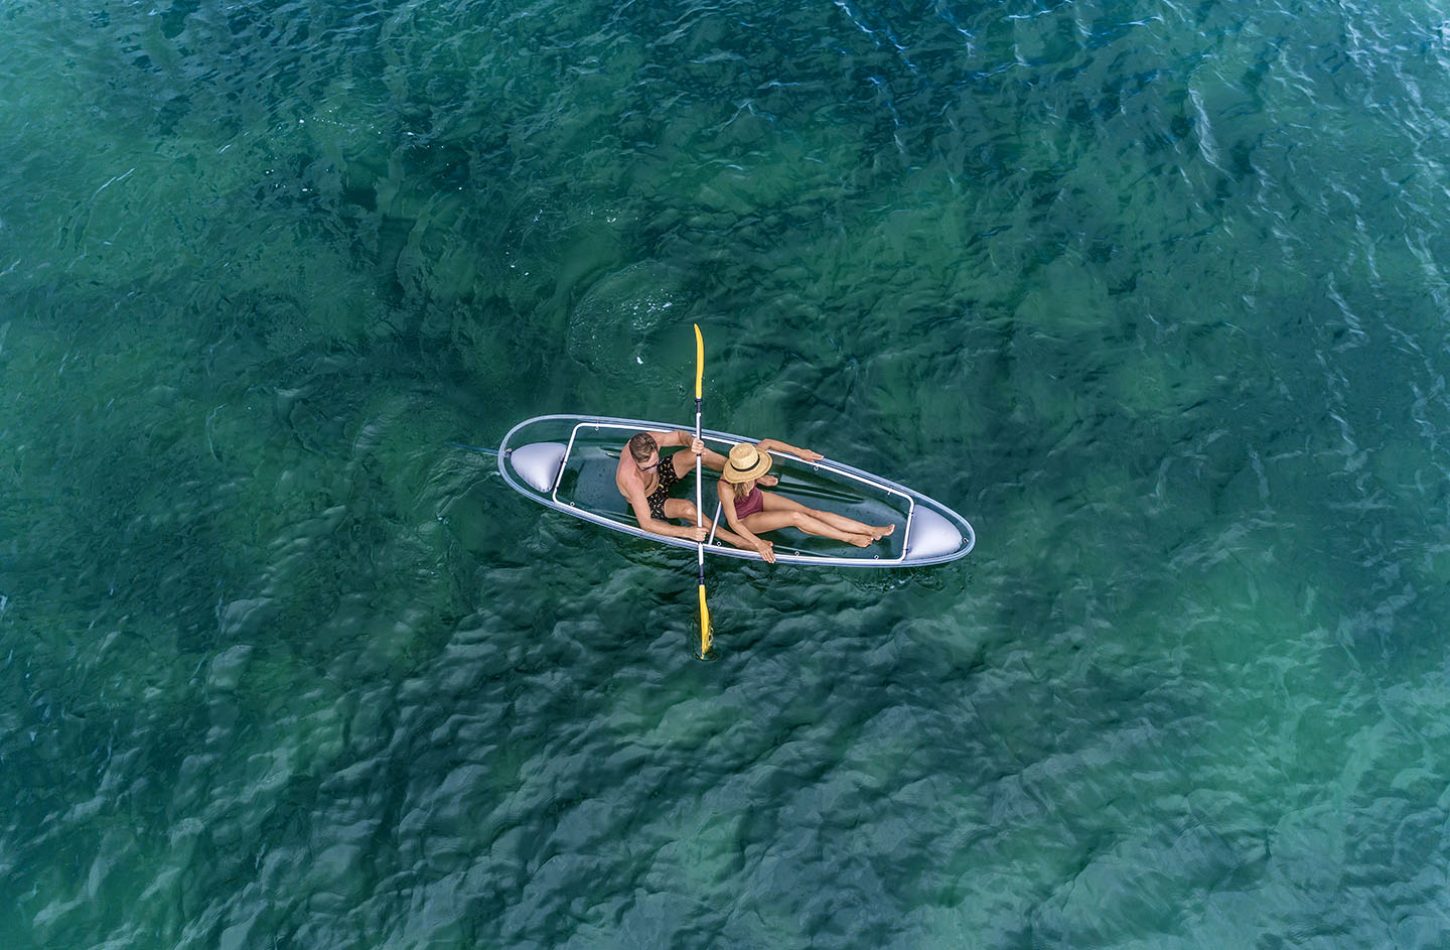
{"x":641,"y":445}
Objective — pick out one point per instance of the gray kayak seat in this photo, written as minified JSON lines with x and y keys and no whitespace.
{"x":538,"y":463}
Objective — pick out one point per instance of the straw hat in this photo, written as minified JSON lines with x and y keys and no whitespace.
{"x":747,"y":463}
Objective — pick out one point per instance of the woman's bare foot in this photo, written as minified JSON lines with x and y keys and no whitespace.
{"x":882,"y":531}
{"x":860,"y":540}
{"x":768,"y":481}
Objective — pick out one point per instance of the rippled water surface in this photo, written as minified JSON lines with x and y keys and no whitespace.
{"x":1154,"y":293}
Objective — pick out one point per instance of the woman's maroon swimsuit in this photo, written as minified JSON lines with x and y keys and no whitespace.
{"x":750,"y":504}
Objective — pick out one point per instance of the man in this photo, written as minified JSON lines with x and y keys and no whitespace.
{"x":645,"y":478}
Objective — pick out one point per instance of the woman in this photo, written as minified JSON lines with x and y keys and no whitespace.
{"x":752,"y":511}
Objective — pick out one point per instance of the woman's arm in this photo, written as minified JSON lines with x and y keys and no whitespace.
{"x":766,"y":549}
{"x":775,"y":445}
{"x":726,"y":493}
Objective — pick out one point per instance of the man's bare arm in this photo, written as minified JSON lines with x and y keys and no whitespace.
{"x":676,"y":437}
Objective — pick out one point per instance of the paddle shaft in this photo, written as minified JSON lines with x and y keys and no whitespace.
{"x":700,"y":492}
{"x":699,"y":499}
{"x":699,"y":505}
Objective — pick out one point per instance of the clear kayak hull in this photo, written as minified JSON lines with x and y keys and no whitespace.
{"x":568,"y":462}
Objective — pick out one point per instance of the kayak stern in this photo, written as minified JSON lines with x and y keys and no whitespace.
{"x":539,"y":464}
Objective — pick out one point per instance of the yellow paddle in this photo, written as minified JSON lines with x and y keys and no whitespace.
{"x":699,"y":493}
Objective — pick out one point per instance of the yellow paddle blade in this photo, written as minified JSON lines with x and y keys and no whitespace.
{"x":699,"y":363}
{"x":705,"y":637}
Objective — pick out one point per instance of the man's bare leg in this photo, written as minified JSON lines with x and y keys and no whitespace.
{"x":681,"y":509}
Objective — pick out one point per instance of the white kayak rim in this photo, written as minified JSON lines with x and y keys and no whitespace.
{"x":567,"y":473}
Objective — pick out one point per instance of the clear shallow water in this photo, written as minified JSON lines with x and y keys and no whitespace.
{"x":1152,"y":293}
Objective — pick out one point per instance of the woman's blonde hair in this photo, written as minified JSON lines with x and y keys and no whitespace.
{"x":739,"y":490}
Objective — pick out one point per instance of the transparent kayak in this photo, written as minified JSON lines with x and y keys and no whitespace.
{"x":568,"y":463}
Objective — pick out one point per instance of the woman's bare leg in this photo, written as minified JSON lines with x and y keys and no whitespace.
{"x":775,"y":502}
{"x":763,"y":521}
{"x":877,"y":532}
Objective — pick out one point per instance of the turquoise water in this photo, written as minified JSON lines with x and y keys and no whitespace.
{"x":1153,"y":293}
